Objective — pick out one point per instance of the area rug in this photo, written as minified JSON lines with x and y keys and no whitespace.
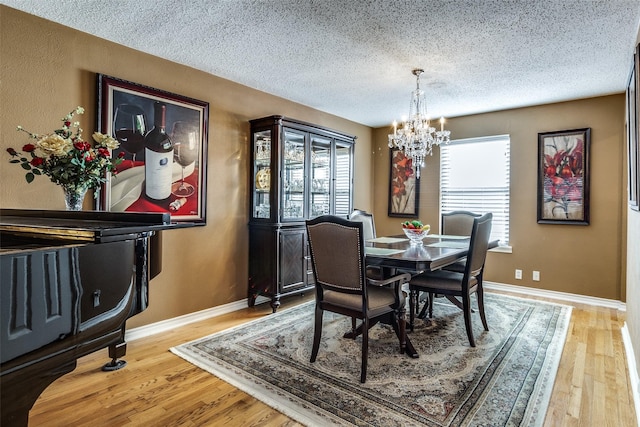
{"x":505,"y":380}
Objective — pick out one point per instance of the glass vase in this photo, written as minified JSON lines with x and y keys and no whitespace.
{"x":74,"y":197}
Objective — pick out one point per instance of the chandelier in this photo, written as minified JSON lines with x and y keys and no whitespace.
{"x":416,"y":137}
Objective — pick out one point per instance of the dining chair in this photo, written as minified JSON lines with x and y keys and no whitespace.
{"x":369,"y":226}
{"x":459,"y":285}
{"x":456,"y":223}
{"x":337,"y":257}
{"x":368,"y":232}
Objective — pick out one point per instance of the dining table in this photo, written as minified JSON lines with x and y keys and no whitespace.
{"x":394,"y":253}
{"x":435,"y":251}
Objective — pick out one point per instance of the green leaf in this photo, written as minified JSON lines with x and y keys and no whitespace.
{"x":14,"y":161}
{"x":29,"y":177}
{"x":26,"y":166}
{"x":36,"y":172}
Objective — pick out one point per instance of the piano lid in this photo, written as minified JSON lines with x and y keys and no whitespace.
{"x":84,"y":226}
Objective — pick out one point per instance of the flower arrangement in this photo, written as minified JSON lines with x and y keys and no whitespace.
{"x":66,"y":158}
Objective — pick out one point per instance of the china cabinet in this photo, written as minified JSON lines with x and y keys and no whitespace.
{"x":298,"y":171}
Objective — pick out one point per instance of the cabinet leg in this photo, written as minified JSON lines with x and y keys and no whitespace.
{"x":275,"y":303}
{"x":251,"y":299}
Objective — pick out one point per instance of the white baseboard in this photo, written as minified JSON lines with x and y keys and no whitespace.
{"x":634,"y":379}
{"x":169,"y":324}
{"x":562,"y":296}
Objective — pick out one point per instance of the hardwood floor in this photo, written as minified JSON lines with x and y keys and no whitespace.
{"x":158,"y":388}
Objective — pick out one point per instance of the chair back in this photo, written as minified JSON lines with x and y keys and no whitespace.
{"x":458,"y":223}
{"x":337,"y":254}
{"x":369,"y":226}
{"x":479,"y":244}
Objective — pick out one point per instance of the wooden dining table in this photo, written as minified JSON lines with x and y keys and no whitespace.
{"x":435,"y":252}
{"x":399,"y":253}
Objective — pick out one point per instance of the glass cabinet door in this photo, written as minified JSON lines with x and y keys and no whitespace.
{"x":262,"y":174}
{"x":343,"y":174}
{"x":320,"y":195}
{"x":293,"y":175}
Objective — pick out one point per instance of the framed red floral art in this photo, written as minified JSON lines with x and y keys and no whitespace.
{"x":403,"y":186}
{"x":563,"y":177}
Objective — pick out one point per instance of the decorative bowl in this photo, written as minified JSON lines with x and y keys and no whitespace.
{"x":416,"y":235}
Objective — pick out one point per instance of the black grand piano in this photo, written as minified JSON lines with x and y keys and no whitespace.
{"x":69,"y":281}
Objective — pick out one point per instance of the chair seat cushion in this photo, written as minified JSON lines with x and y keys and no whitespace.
{"x":381,"y":299}
{"x":440,"y":281}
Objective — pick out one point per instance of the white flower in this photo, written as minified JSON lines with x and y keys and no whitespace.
{"x":106,"y":140}
{"x":54,"y":144}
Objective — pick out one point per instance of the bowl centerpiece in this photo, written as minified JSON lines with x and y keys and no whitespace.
{"x":415,"y":231}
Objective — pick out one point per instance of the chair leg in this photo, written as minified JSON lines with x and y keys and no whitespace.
{"x":466,"y":308}
{"x":317,"y":333}
{"x":402,"y":326}
{"x":413,"y":307}
{"x":480,"y":293}
{"x":353,"y":327}
{"x":431,"y":296}
{"x":425,"y":307}
{"x":365,"y":349}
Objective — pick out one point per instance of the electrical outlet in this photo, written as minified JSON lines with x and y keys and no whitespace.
{"x":536,"y":276}
{"x":518,"y":274}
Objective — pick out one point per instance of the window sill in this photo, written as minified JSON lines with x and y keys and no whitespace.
{"x":502,"y":249}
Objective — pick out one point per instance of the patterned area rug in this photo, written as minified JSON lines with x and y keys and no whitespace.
{"x":505,"y":380}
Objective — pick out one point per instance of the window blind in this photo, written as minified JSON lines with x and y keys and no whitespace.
{"x":474,"y":176}
{"x":343,"y":182}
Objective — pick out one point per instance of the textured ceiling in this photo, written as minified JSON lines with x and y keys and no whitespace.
{"x":353,"y":58}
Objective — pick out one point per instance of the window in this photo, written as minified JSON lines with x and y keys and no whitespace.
{"x":474,"y":176}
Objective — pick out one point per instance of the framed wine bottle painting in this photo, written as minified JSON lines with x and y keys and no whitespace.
{"x":163,"y":141}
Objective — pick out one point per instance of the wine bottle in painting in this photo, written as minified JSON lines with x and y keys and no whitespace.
{"x":158,"y":161}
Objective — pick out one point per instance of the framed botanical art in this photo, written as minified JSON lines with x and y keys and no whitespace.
{"x":563,"y":177}
{"x":163,"y":138}
{"x":403,"y":186}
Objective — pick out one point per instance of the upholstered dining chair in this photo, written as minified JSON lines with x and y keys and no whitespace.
{"x":337,"y":258}
{"x":368,"y":232}
{"x":459,"y":285}
{"x":368,"y":224}
{"x":456,"y":223}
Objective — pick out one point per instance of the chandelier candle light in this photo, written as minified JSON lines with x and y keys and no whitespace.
{"x":416,"y":137}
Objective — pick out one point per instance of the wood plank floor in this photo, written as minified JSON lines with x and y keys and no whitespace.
{"x":158,"y":388}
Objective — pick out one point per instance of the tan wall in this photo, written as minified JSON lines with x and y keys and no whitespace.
{"x":47,"y":70}
{"x":584,"y":260}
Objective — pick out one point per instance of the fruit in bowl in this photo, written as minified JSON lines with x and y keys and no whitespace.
{"x":415,"y":230}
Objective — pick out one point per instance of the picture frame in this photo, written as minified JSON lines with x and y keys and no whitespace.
{"x":404,"y":188}
{"x":126,"y":112}
{"x":633,"y":132}
{"x":563,"y":177}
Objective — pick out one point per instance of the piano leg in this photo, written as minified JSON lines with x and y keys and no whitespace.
{"x":116,"y":351}
{"x":18,"y":399}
